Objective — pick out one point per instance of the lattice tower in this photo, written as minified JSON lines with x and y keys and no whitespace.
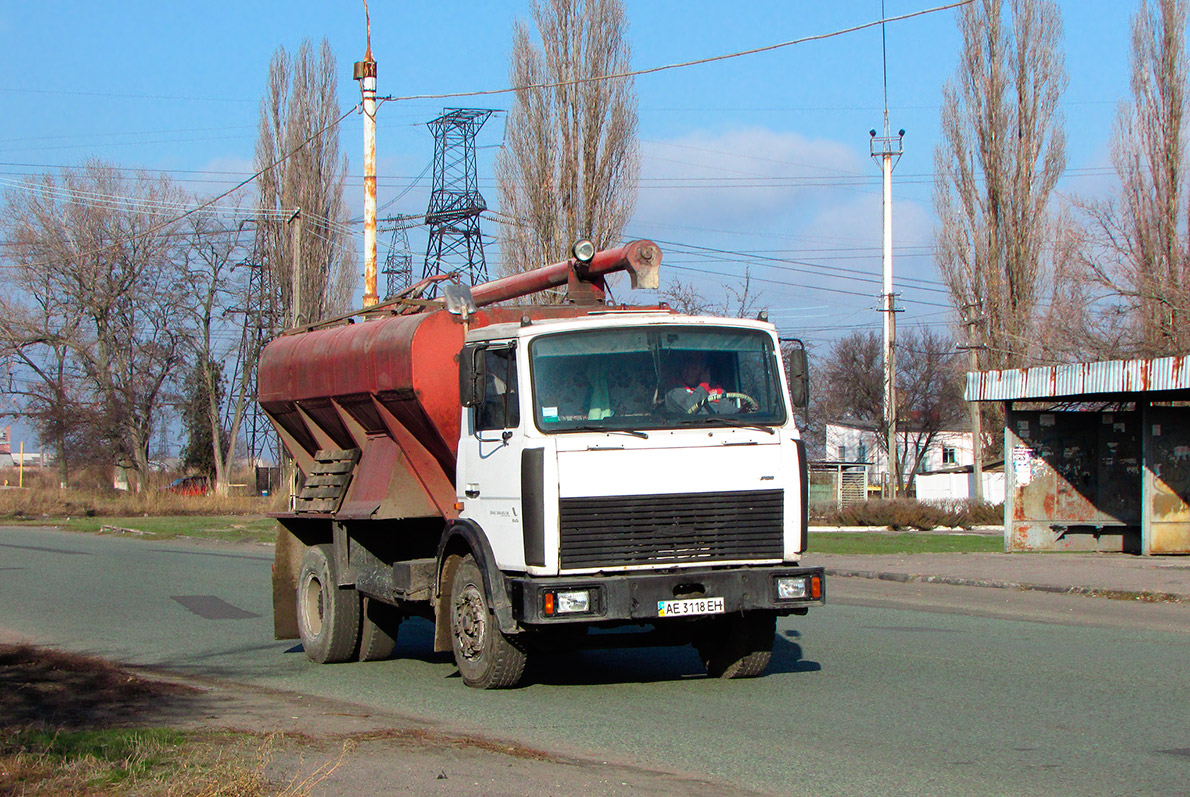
{"x":398,"y":264}
{"x":260,"y":326}
{"x":456,"y":245}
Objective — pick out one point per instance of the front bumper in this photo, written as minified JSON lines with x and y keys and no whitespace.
{"x":635,"y":596}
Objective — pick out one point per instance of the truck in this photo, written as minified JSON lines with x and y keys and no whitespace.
{"x":534,"y":478}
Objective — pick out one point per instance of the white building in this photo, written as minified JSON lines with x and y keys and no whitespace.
{"x":853,"y":441}
{"x":944,"y":470}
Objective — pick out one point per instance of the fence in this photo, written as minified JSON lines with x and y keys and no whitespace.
{"x":838,"y":484}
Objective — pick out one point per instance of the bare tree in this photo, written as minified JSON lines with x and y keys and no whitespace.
{"x":301,"y":197}
{"x":1001,"y":154}
{"x":739,"y":299}
{"x":1138,"y":249}
{"x":570,"y":164}
{"x":929,"y":390}
{"x":35,"y":334}
{"x":218,"y":264}
{"x":100,"y":246}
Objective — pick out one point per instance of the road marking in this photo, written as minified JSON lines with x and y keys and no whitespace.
{"x":212,"y":608}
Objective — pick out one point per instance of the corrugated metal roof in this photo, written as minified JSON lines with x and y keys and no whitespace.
{"x":1077,"y":379}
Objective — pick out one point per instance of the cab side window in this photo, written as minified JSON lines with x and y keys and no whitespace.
{"x":500,"y":408}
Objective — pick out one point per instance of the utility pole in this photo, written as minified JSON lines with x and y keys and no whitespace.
{"x":886,"y":150}
{"x":295,"y":298}
{"x":972,"y":314}
{"x":365,"y":73}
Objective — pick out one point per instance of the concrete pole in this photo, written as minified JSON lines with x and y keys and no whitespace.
{"x":295,"y":298}
{"x":972,"y":311}
{"x":365,"y":73}
{"x":890,"y":333}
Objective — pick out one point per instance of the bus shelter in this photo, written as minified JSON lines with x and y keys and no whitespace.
{"x":1096,"y":454}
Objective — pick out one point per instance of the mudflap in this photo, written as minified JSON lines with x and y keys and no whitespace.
{"x":287,"y":562}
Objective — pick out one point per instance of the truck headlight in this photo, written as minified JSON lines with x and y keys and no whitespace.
{"x":576,"y":600}
{"x":792,"y":588}
{"x":571,"y":601}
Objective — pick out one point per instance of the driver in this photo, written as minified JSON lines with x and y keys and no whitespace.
{"x":694,"y":390}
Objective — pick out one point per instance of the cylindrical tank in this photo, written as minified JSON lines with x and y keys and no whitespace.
{"x":397,"y":375}
{"x":315,"y":384}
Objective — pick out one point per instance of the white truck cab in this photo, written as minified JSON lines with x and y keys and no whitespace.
{"x":645,"y":445}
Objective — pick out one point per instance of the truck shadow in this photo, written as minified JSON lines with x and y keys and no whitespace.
{"x":606,"y":666}
{"x":585,"y":666}
{"x":647,"y":665}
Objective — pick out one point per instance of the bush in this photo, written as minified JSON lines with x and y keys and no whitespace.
{"x":906,"y":513}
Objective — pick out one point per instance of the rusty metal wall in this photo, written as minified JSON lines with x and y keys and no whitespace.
{"x":1166,"y":490}
{"x":1080,"y":379}
{"x":1073,"y":481}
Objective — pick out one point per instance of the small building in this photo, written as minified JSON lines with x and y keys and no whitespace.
{"x":1097,"y":454}
{"x":858,"y":442}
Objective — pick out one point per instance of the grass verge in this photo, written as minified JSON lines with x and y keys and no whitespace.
{"x":902,"y":542}
{"x":72,"y":724}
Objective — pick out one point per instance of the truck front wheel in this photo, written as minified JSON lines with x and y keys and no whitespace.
{"x":739,"y":646}
{"x":328,"y":617}
{"x":485,"y":656}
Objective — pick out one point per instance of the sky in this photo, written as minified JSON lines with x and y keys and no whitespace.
{"x":758,"y":164}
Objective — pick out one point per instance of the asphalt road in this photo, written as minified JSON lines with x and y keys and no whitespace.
{"x":890,"y":689}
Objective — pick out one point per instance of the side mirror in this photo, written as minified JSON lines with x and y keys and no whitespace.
{"x":799,"y":373}
{"x":472,"y":376}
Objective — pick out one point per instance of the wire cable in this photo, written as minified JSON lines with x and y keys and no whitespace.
{"x":682,"y":64}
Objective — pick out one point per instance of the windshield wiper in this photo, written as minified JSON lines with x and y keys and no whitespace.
{"x":721,"y":420}
{"x":633,"y":432}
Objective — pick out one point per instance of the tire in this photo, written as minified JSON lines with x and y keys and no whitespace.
{"x":378,"y":629}
{"x":327,"y":615}
{"x":737,"y":647}
{"x":485,"y":656}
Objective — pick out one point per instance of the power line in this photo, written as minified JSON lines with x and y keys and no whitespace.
{"x":168,"y":222}
{"x":683,"y":64}
{"x":791,"y":265}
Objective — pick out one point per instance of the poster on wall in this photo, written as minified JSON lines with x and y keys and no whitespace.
{"x":1022,"y":465}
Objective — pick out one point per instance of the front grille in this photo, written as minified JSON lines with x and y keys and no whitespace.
{"x":672,"y":529}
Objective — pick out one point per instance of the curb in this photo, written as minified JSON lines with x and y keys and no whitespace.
{"x":1143,"y":596}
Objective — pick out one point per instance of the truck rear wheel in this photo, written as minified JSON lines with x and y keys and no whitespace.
{"x":378,"y":629}
{"x":328,"y":617}
{"x":485,"y":656}
{"x":737,"y":647}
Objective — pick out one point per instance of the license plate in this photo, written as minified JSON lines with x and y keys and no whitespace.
{"x":690,"y":607}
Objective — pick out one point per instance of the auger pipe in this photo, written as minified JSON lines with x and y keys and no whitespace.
{"x":641,"y":259}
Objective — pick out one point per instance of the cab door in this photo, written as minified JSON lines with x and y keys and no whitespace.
{"x":489,"y":476}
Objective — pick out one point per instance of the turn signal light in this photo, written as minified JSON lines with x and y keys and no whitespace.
{"x":549,"y":604}
{"x":816,"y":587}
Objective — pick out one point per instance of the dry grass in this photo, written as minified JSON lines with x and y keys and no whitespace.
{"x":49,"y":503}
{"x":73,"y":724}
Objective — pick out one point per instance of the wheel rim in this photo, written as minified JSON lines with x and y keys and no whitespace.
{"x":470,"y":622}
{"x":313,"y":605}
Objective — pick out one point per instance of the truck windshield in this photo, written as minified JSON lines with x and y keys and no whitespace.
{"x":655,"y":378}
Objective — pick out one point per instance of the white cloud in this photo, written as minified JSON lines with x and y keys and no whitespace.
{"x":754,"y":178}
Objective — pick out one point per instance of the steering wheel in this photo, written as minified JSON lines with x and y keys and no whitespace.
{"x":743,"y":398}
